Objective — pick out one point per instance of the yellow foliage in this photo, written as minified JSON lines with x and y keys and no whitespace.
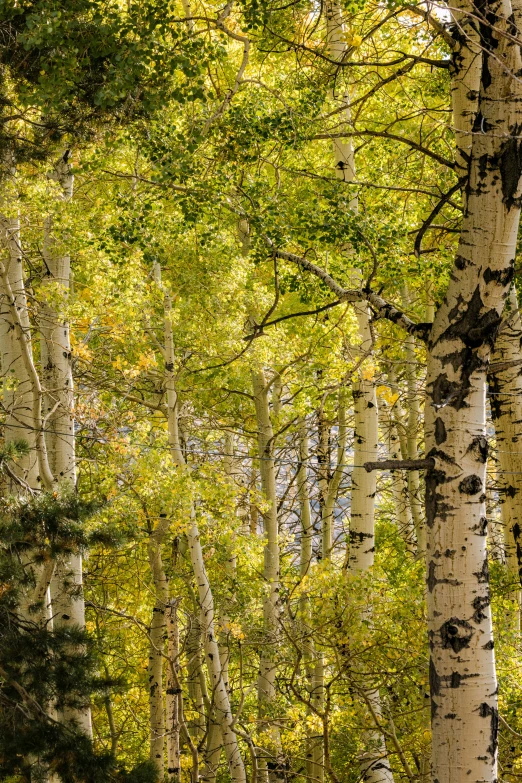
{"x":352,"y":39}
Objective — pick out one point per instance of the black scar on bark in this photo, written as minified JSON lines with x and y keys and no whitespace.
{"x":489,"y":645}
{"x":356,"y":536}
{"x":444,"y":391}
{"x":482,"y":527}
{"x":496,"y":399}
{"x":501,"y":276}
{"x":479,"y":446}
{"x":461,"y":262}
{"x":479,"y":604}
{"x":486,"y":711}
{"x":455,"y":680}
{"x":472,"y":325}
{"x":471,"y":485}
{"x":435,"y":682}
{"x":450,"y":716}
{"x":455,"y":310}
{"x":510,"y":165}
{"x":432,"y":580}
{"x":440,"y":431}
{"x":483,"y":574}
{"x":456,"y":633}
{"x":434,"y":507}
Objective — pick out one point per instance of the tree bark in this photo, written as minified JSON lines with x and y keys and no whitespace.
{"x":462,"y":667}
{"x":505,"y":386}
{"x":412,"y":428}
{"x":158,"y":634}
{"x":173,"y":693}
{"x":364,"y":484}
{"x":271,"y":765}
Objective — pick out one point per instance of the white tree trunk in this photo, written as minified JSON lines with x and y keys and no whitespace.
{"x":328,"y":506}
{"x":412,"y":428}
{"x":157,"y":635}
{"x":220,"y":694}
{"x":173,"y":693}
{"x":305,"y":562}
{"x":505,"y":385}
{"x":271,"y":574}
{"x":462,"y":668}
{"x":399,"y":487}
{"x":364,"y":484}
{"x":360,"y":557}
{"x":57,"y":402}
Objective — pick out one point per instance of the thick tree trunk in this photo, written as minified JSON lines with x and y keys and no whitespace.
{"x":462,"y":667}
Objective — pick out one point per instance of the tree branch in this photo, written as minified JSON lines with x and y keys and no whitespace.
{"x":400,"y":464}
{"x":393,"y":137}
{"x":382,"y":308}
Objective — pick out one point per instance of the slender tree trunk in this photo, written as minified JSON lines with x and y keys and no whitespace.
{"x":327,"y":511}
{"x":462,"y":669}
{"x":305,"y":560}
{"x":173,"y":693}
{"x":505,"y":385}
{"x":220,"y":694}
{"x":158,"y":634}
{"x":412,"y":428}
{"x":57,"y":402}
{"x":214,"y":744}
{"x":399,"y":488}
{"x":374,"y":765}
{"x":194,"y":650}
{"x":18,"y":390}
{"x":364,"y":484}
{"x":271,"y":607}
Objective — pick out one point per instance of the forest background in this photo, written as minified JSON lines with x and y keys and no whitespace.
{"x":226,"y":233}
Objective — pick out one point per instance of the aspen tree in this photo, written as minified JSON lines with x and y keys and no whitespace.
{"x":221,"y":698}
{"x":462,"y":665}
{"x":399,"y":489}
{"x":17,"y":385}
{"x":305,"y":563}
{"x":332,"y":489}
{"x":214,"y":743}
{"x":173,"y":702}
{"x":270,"y":766}
{"x":360,"y":557}
{"x":157,"y":634}
{"x":412,"y":427}
{"x":505,"y":386}
{"x":66,"y":586}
